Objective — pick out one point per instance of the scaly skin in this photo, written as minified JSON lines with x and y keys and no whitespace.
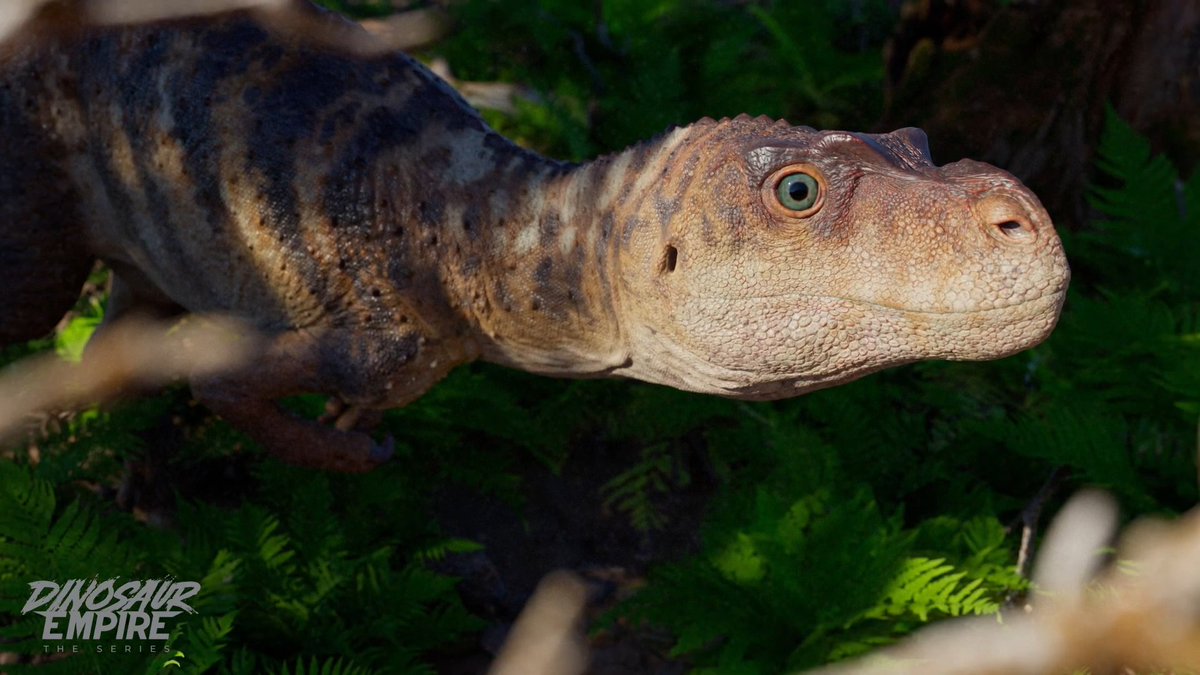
{"x":359,"y":213}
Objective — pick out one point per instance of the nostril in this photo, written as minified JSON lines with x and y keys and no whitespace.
{"x":1008,"y":217}
{"x":1014,"y":230}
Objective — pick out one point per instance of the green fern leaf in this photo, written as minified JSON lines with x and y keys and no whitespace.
{"x":929,"y":586}
{"x":1151,"y":217}
{"x":274,"y":550}
{"x":632,"y":491}
{"x":202,"y":641}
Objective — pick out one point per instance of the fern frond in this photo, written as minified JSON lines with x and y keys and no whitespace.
{"x":928,"y":586}
{"x":632,"y":491}
{"x":1152,"y":217}
{"x":438,"y":551}
{"x":274,"y":550}
{"x":202,"y":641}
{"x":37,"y":545}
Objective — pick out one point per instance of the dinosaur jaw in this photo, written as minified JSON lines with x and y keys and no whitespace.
{"x":831,"y":341}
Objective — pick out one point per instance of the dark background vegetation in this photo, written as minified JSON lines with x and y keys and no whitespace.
{"x":770,"y":537}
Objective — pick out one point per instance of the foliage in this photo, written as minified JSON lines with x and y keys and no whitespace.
{"x":835,"y":523}
{"x":800,"y":566}
{"x":615,"y":72}
{"x":305,"y":581}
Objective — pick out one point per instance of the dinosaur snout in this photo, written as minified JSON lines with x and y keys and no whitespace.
{"x":1026,"y":257}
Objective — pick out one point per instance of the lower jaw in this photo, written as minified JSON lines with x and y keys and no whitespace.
{"x":978,"y":336}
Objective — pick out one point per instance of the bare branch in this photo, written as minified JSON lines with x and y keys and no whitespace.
{"x":14,"y":14}
{"x":139,"y":11}
{"x":1144,"y":619}
{"x":130,"y":352}
{"x":546,"y":639}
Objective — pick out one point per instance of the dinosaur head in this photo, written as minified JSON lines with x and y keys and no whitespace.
{"x":767,"y":260}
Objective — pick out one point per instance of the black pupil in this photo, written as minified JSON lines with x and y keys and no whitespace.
{"x":798,"y":190}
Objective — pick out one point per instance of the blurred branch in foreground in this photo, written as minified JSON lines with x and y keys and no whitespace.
{"x":128,"y":353}
{"x":402,"y":31}
{"x":14,"y":13}
{"x":546,"y":639}
{"x":138,"y":11}
{"x":411,"y":29}
{"x":1142,"y":614}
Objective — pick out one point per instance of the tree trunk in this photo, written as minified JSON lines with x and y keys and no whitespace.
{"x":1025,"y":86}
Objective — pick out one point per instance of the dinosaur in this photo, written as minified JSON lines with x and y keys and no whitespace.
{"x":353,"y":208}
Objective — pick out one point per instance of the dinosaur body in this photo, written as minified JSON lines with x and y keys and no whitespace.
{"x":362,"y":216}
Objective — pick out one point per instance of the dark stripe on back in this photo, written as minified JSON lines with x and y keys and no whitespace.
{"x":139,"y":101}
{"x":291,"y":111}
{"x":98,"y":64}
{"x":226,"y":54}
{"x":351,"y":196}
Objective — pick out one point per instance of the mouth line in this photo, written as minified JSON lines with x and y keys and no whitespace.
{"x":904,"y":310}
{"x":969,"y":312}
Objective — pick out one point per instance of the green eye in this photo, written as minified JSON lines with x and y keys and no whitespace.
{"x":798,"y":191}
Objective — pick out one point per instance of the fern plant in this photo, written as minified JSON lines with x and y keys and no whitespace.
{"x":1150,"y":227}
{"x":274,"y":588}
{"x":924,"y":587}
{"x":802,"y":567}
{"x":38,"y":541}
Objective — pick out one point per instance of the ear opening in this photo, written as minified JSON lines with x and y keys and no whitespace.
{"x":669,"y":260}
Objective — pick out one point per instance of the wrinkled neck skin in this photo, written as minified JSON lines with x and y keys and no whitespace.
{"x":543,"y":299}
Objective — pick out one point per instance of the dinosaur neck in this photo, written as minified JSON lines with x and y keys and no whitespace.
{"x":544,"y":299}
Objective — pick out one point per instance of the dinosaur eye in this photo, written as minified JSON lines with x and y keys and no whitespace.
{"x":794,"y":191}
{"x":798,"y":191}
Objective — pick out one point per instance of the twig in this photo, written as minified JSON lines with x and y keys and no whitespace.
{"x":130,"y":352}
{"x":1032,"y":513}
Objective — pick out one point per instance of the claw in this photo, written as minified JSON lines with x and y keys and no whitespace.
{"x":334,"y":408}
{"x":348,"y":419}
{"x":382,"y":452}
